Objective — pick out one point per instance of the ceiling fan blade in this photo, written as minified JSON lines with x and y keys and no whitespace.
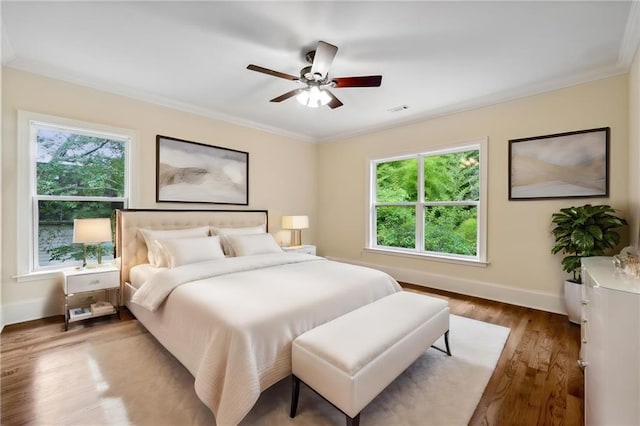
{"x":334,"y":102}
{"x":272,"y":72}
{"x":365,"y":81}
{"x":286,"y":95}
{"x":323,"y":58}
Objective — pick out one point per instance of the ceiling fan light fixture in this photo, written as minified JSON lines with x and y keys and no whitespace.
{"x":316,"y":81}
{"x":313,"y":97}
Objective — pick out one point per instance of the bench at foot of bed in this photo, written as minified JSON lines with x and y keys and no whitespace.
{"x":350,"y":360}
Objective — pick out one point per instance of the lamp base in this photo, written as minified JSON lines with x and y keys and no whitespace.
{"x":85,"y":265}
{"x":84,"y":256}
{"x":296,"y":238}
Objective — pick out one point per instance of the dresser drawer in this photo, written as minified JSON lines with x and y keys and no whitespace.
{"x":92,"y":281}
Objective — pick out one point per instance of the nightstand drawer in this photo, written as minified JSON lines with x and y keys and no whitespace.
{"x":306,"y":249}
{"x":92,"y":281}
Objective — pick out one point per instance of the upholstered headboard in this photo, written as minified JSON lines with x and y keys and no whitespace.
{"x":130,"y":245}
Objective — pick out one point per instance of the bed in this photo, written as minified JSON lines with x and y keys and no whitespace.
{"x":230,"y":320}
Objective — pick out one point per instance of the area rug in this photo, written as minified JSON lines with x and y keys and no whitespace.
{"x":136,"y":381}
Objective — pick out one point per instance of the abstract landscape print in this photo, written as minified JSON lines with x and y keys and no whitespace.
{"x":563,"y":165}
{"x":191,"y":172}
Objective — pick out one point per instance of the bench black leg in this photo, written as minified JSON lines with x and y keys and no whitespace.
{"x":353,"y":421}
{"x":446,"y":342}
{"x":295,"y":392}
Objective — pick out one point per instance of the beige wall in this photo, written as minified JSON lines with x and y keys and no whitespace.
{"x":634,"y":151}
{"x":330,"y":180}
{"x":282,"y":176}
{"x":1,"y":204}
{"x":521,"y":269}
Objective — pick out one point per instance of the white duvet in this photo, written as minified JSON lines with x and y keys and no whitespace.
{"x":231,"y":321}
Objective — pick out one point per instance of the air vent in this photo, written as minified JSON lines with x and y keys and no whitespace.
{"x":398,"y":108}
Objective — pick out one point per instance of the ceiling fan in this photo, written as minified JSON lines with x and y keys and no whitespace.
{"x":316,"y":80}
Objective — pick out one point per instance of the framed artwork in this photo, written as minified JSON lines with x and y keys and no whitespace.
{"x":562,"y":165}
{"x":191,"y":172}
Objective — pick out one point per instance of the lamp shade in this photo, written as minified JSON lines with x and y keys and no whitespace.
{"x":92,"y":231}
{"x":295,"y":222}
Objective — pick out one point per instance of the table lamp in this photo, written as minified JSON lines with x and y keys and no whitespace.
{"x":296,"y":224}
{"x":89,"y":232}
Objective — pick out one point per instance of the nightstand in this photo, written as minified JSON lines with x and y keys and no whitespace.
{"x":80,"y":287}
{"x":306,"y":249}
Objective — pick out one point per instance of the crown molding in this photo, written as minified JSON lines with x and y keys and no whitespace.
{"x":45,"y":70}
{"x":631,"y":38}
{"x":8,"y":53}
{"x":485,"y":101}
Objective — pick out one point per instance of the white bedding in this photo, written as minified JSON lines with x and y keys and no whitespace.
{"x":233,"y":331}
{"x":139,"y":274}
{"x":158,"y":287}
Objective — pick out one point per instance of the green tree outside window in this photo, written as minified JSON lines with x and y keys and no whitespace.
{"x":451,"y":192}
{"x":77,"y":176}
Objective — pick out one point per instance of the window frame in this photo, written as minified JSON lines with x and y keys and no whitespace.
{"x":480,"y":259}
{"x":27,"y":196}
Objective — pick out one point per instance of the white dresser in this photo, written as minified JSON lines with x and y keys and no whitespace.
{"x":610,"y":350}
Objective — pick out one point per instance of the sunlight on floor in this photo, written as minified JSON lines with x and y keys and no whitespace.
{"x":74,"y":391}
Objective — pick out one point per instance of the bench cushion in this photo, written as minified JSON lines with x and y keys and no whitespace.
{"x":351,"y":359}
{"x":356,"y":338}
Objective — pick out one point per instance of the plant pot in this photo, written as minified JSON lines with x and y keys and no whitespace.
{"x":573,"y":301}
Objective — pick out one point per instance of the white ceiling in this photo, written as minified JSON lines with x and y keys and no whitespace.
{"x":435,"y":57}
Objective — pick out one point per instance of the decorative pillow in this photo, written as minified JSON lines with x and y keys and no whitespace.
{"x":155,"y":254}
{"x":183,"y":251}
{"x":247,"y":245}
{"x":225,"y":232}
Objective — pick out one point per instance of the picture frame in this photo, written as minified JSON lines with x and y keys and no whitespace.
{"x":561,"y":165}
{"x":193,"y":172}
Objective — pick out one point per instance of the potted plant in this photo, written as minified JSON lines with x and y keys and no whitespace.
{"x":582,"y":232}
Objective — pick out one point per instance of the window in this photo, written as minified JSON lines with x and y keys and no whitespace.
{"x":430,"y":203}
{"x":67,"y":170}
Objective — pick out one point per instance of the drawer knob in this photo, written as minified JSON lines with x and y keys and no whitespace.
{"x":94,"y":282}
{"x":584,"y":321}
{"x":582,"y":364}
{"x":585,"y":302}
{"x":584,"y":341}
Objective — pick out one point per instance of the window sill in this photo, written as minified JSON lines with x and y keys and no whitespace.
{"x":424,"y":256}
{"x":55,"y":272}
{"x":40,"y":275}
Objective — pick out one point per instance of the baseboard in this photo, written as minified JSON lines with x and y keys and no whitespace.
{"x":28,"y":310}
{"x":499,"y":293}
{"x":46,"y":307}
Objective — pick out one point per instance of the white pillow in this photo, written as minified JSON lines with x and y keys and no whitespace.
{"x":155,"y":254}
{"x":247,"y":245}
{"x":224,"y":232}
{"x":183,"y":251}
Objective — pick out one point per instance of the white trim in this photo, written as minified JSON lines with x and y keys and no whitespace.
{"x":8,"y":52}
{"x":427,"y":256}
{"x":24,"y":180}
{"x":32,"y":309}
{"x":47,"y":70}
{"x":419,"y":225}
{"x":44,"y":274}
{"x":631,"y":38}
{"x":26,"y":268}
{"x":479,"y":144}
{"x":531,"y":299}
{"x":484,"y":200}
{"x":545,"y":86}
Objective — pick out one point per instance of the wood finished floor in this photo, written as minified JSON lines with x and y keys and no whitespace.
{"x":536,"y":380}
